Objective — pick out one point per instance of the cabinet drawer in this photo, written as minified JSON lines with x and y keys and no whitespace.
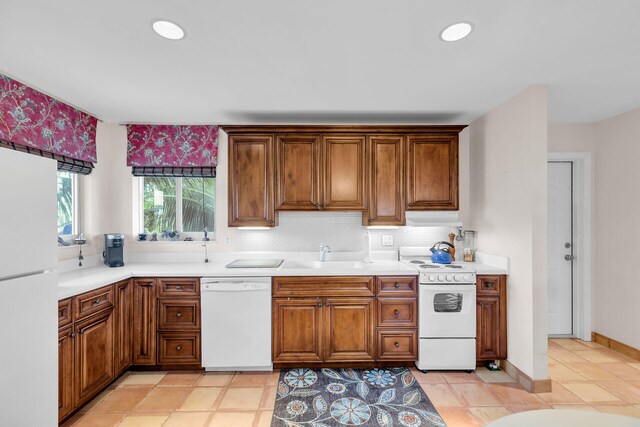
{"x":334,"y":286}
{"x":397,"y":312}
{"x":178,"y":348}
{"x":397,"y":345}
{"x":178,"y":314}
{"x":488,"y":285}
{"x":93,"y":302}
{"x":64,"y":313}
{"x":178,"y":287}
{"x":396,"y":286}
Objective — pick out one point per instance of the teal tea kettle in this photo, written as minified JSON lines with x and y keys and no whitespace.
{"x":441,"y":256}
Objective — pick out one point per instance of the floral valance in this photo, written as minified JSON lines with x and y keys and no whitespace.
{"x":170,"y":147}
{"x":33,"y":122}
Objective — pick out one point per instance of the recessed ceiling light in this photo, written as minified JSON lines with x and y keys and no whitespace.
{"x":457,"y":31}
{"x":167,"y":29}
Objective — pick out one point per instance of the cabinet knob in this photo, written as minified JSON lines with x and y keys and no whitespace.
{"x":178,"y":288}
{"x":396,"y":312}
{"x":397,"y":344}
{"x":72,"y":335}
{"x":319,"y":304}
{"x":96,"y":301}
{"x":178,"y":347}
{"x":397,"y":285}
{"x":81,"y":331}
{"x":178,"y":314}
{"x":411,"y":204}
{"x":371,"y":220}
{"x":489,"y":285}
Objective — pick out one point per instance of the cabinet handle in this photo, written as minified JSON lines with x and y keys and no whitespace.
{"x":397,"y":285}
{"x":178,"y":347}
{"x":397,"y":344}
{"x":72,"y":335}
{"x":81,"y":331}
{"x":178,"y":314}
{"x":178,"y":288}
{"x":396,"y":312}
{"x":96,"y":301}
{"x":319,"y":304}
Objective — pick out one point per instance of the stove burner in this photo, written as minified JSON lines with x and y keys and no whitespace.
{"x":417,"y":261}
{"x":453,"y":266}
{"x":429,"y":266}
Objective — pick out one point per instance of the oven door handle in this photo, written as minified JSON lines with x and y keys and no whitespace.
{"x":448,"y":288}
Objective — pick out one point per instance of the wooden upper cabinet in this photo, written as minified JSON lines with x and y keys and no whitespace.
{"x":432,"y":172}
{"x":386,"y":176}
{"x":251,"y":179}
{"x":344,"y":172}
{"x":298,"y":172}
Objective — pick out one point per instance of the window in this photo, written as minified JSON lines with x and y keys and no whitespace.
{"x":67,"y":203}
{"x":185,"y":205}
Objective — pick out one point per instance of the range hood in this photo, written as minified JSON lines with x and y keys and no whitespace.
{"x":433,"y":218}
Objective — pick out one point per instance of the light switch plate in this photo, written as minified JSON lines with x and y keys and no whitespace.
{"x":387,"y":240}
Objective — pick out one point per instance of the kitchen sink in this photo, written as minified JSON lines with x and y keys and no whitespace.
{"x":323,"y":265}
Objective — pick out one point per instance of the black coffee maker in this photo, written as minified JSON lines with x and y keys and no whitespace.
{"x":113,"y":250}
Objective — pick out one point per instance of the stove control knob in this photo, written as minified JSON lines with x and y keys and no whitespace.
{"x":441,"y":278}
{"x":456,"y":278}
{"x":449,"y":278}
{"x":432,"y":278}
{"x":467,"y":277}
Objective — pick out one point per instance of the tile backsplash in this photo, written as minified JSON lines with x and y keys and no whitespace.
{"x":342,"y":231}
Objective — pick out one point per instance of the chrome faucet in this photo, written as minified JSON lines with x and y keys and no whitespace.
{"x":323,"y":251}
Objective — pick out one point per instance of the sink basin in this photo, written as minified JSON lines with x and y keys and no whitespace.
{"x":323,"y":265}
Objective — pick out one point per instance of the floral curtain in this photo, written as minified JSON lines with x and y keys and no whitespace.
{"x":172,"y":146}
{"x":33,"y":120}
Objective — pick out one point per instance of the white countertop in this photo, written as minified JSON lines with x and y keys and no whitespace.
{"x":83,"y":280}
{"x":86,"y":279}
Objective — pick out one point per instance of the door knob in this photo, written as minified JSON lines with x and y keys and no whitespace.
{"x":567,"y":245}
{"x":568,"y":257}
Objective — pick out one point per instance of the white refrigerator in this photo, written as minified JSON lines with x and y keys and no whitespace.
{"x":28,"y":290}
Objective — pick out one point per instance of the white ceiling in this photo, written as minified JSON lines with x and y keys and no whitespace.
{"x":359,"y":61}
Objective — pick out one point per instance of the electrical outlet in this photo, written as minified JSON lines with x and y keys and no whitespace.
{"x":387,"y":240}
{"x":227,"y":241}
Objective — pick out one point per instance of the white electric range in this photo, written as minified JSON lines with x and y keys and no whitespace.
{"x":446,"y":313}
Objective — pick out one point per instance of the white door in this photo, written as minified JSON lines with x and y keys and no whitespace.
{"x":560,"y":248}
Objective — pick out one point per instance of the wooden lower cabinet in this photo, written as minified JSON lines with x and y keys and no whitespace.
{"x":349,"y":330}
{"x":94,"y":367}
{"x":491,"y":318}
{"x":144,"y":322}
{"x":297,"y":330}
{"x":178,"y":348}
{"x":123,"y":349}
{"x":340,"y":320}
{"x":65,"y":372}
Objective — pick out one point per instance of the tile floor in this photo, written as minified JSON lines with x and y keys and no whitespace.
{"x":585,"y":376}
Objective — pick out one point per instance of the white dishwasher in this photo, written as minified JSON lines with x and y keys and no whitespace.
{"x":236,"y":323}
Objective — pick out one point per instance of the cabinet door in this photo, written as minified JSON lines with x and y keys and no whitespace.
{"x":93,"y":355}
{"x":65,"y":372}
{"x":386,"y":176}
{"x":488,"y":327}
{"x":298,"y":172}
{"x":251,"y":181}
{"x":144,"y":322}
{"x":297,"y":330}
{"x":432,"y":172}
{"x":124,"y":325}
{"x":344,"y":172}
{"x":349,"y":330}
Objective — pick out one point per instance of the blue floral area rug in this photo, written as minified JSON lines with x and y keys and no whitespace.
{"x":352,"y":397}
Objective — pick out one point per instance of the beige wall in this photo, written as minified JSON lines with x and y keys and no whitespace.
{"x":572,"y":137}
{"x":508,"y":199}
{"x":617,"y":228}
